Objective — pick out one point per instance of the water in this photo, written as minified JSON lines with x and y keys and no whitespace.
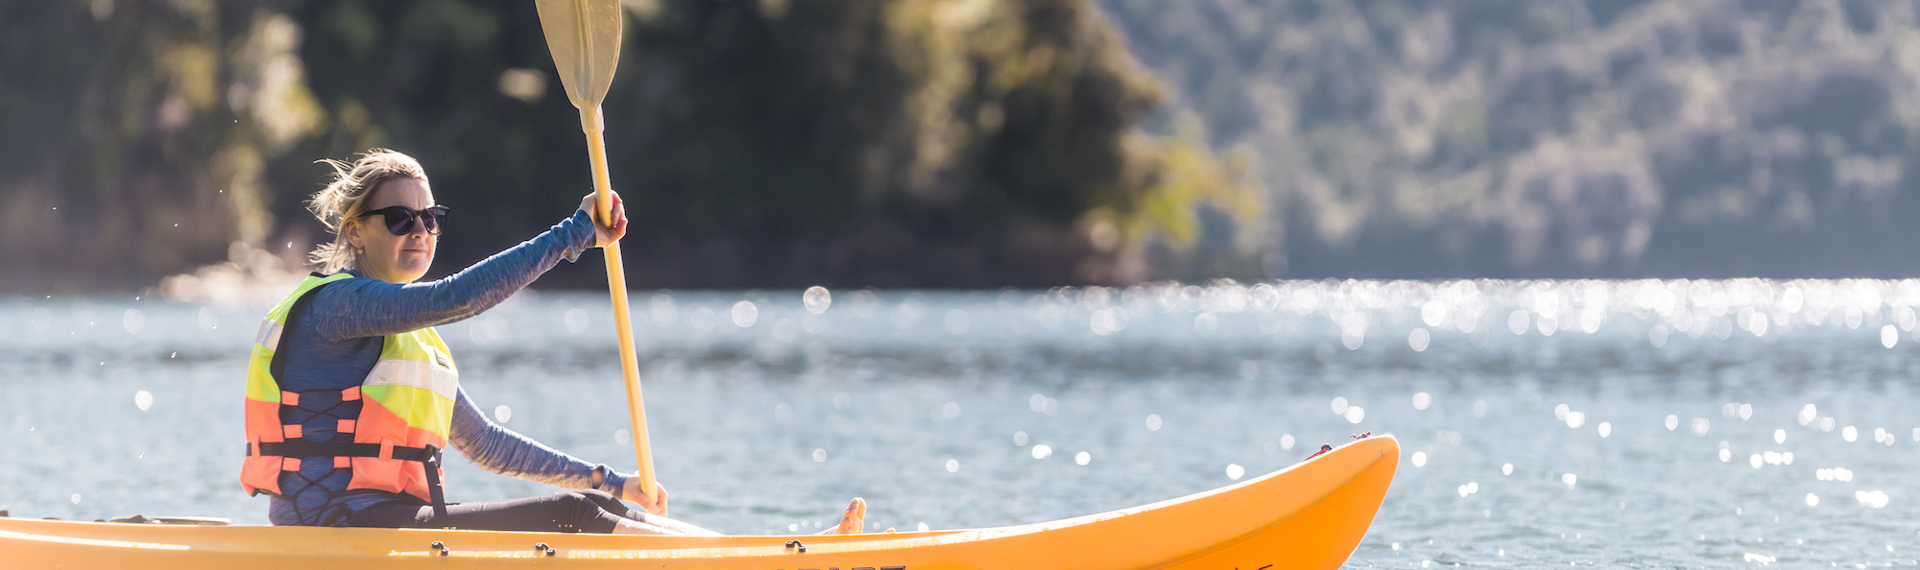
{"x":932,"y":407}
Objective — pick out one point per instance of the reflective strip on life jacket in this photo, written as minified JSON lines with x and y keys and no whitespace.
{"x":269,"y":336}
{"x":406,"y":372}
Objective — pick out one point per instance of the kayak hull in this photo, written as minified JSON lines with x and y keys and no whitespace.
{"x":1311,"y":515}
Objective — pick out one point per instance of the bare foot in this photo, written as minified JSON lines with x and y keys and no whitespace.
{"x":853,"y":520}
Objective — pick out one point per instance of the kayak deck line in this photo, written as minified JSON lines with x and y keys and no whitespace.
{"x":11,"y":535}
{"x":1308,"y":515}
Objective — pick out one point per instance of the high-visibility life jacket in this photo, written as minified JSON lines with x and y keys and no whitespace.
{"x":406,"y":410}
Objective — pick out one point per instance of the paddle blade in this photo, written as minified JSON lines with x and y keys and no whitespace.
{"x":584,"y":36}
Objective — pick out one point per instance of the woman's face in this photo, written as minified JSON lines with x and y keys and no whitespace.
{"x":388,"y":257}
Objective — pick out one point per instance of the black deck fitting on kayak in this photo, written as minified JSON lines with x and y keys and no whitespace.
{"x":542,"y":547}
{"x":442,"y":547}
{"x":796,"y":544}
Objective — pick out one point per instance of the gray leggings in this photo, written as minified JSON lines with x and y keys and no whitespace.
{"x":573,"y":511}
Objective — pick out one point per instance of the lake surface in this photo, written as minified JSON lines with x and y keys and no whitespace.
{"x":1667,"y":424}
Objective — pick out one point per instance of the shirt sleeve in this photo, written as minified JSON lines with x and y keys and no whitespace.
{"x":357,"y":308}
{"x":501,"y":450}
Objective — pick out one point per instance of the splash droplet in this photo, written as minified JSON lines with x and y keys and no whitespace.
{"x":208,"y":319}
{"x":575,"y":321}
{"x":745,"y":313}
{"x":817,"y":299}
{"x":133,"y":321}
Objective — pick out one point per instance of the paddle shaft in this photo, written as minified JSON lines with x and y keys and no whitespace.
{"x":594,"y":125}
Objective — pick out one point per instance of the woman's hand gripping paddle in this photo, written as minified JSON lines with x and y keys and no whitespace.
{"x":584,"y":36}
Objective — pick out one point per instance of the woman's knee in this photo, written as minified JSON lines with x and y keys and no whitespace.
{"x":580,"y":502}
{"x":606,"y":501}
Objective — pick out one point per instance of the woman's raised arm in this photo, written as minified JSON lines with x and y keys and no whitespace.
{"x":359,"y":308}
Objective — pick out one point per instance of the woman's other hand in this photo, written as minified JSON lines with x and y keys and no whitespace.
{"x":605,"y":234}
{"x":656,"y":505}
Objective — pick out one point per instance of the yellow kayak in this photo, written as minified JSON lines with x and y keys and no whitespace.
{"x":1310,"y":515}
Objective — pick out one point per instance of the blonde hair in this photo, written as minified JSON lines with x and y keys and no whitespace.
{"x":345,"y":197}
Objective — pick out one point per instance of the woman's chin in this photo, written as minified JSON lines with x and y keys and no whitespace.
{"x":413,"y":271}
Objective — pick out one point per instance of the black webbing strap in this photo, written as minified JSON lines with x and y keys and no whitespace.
{"x":300,"y":448}
{"x":434,"y":490}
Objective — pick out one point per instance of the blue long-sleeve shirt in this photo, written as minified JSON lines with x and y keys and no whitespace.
{"x":335,"y":340}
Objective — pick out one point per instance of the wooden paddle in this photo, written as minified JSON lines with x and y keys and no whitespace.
{"x":584,"y":36}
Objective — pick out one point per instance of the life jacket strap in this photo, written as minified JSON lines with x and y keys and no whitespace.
{"x":304,"y":449}
{"x":428,"y":455}
{"x":434,"y":490}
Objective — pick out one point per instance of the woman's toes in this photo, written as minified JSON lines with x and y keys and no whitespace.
{"x":854,"y":519}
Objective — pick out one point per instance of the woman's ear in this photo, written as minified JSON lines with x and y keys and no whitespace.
{"x":351,"y":230}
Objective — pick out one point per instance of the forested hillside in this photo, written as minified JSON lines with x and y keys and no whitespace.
{"x":1560,"y":139}
{"x":988,"y":143}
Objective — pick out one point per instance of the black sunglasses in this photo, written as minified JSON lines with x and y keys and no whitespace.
{"x":400,"y":218}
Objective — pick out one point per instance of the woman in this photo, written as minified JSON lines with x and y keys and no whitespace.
{"x":351,"y":395}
